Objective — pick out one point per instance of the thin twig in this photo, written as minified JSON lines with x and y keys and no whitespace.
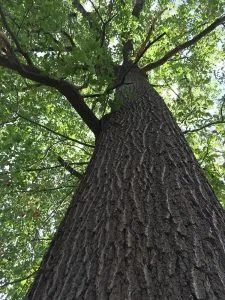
{"x":14,"y":38}
{"x":69,"y":37}
{"x":55,"y":132}
{"x":149,"y":33}
{"x":137,"y":8}
{"x":104,"y":26}
{"x":204,"y":126}
{"x":43,"y":168}
{"x":41,"y":190}
{"x":96,"y":10}
{"x":57,"y":207}
{"x":18,"y":280}
{"x":147,"y":46}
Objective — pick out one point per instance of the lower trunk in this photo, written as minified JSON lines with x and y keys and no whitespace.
{"x":144,"y":223}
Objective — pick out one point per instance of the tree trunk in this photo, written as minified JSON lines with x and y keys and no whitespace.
{"x":144,"y":223}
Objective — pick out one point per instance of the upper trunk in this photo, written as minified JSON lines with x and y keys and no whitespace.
{"x":144,"y":223}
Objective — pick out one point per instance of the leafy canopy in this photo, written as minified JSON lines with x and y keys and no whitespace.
{"x":44,"y":142}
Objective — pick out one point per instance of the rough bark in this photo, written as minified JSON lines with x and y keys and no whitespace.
{"x":144,"y":223}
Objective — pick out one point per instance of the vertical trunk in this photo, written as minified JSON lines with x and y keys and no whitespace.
{"x":144,"y":223}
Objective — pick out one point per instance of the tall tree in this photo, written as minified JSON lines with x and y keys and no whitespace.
{"x":144,"y":222}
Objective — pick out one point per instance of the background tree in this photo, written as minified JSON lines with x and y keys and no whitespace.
{"x":60,"y":82}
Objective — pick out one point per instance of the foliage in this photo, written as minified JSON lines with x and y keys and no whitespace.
{"x":38,"y":125}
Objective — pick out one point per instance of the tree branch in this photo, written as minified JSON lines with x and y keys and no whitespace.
{"x":77,"y":101}
{"x":43,"y":168}
{"x":14,"y":38}
{"x":67,"y":166}
{"x":51,"y":49}
{"x":137,"y":8}
{"x":144,"y":45}
{"x":127,"y":49}
{"x":9,"y":121}
{"x":65,"y":88}
{"x":185,"y":45}
{"x":17,"y":280}
{"x":127,"y":69}
{"x":96,"y":10}
{"x":41,"y":190}
{"x":69,"y":37}
{"x":103,"y":33}
{"x":142,"y":51}
{"x":55,"y":132}
{"x":204,"y":126}
{"x":57,"y":207}
{"x":84,"y":13}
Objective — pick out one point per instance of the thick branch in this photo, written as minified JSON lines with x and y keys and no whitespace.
{"x":64,"y":87}
{"x":185,"y":45}
{"x":138,"y":6}
{"x":76,"y":100}
{"x":127,"y":49}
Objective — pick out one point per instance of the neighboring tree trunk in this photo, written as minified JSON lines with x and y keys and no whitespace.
{"x":144,"y":223}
